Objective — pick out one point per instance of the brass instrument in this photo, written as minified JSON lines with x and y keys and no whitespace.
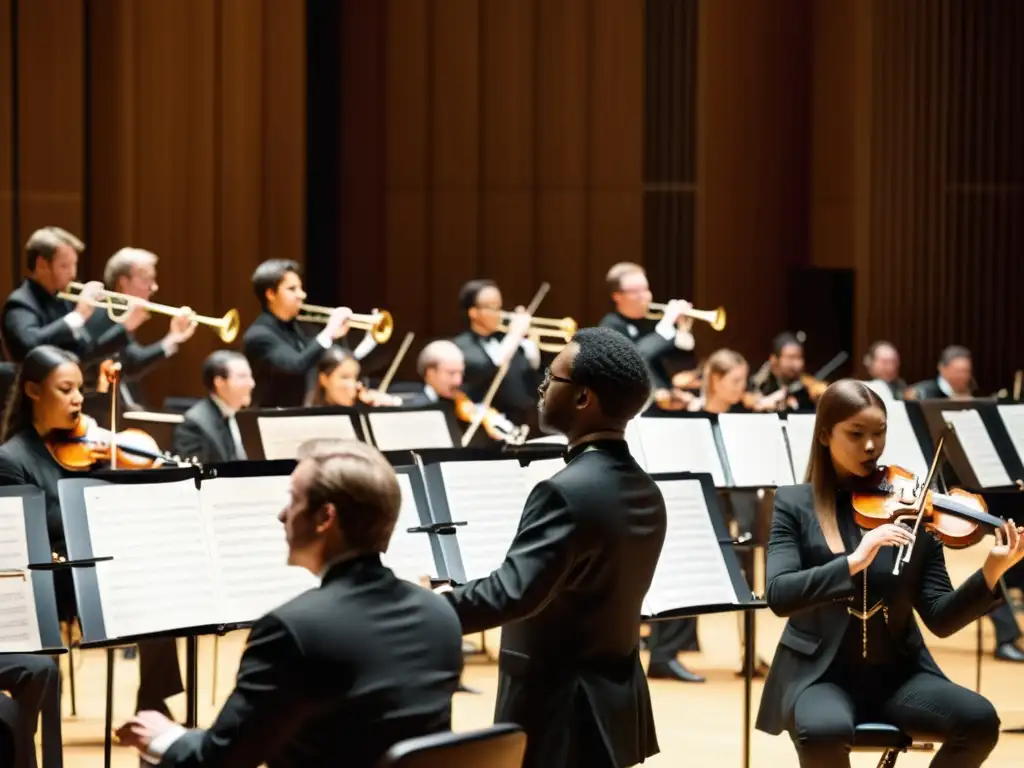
{"x":713,"y":317}
{"x":119,"y":304}
{"x":562,"y":329}
{"x":379,"y":323}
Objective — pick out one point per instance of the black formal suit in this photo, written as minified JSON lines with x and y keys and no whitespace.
{"x":283,"y":360}
{"x":663,"y":357}
{"x":568,"y":598}
{"x":205,"y":434}
{"x":517,"y":395}
{"x":32,"y":317}
{"x":771,"y":384}
{"x":24,"y":460}
{"x":813,"y":588}
{"x":928,"y":390}
{"x":137,"y":360}
{"x":336,"y":676}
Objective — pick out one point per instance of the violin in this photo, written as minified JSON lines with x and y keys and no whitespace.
{"x":87,"y":444}
{"x":376,"y":398}
{"x":495,"y":424}
{"x":686,"y":380}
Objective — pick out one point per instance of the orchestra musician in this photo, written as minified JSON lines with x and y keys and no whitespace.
{"x":34,"y":686}
{"x":33,"y":315}
{"x":851,"y":649}
{"x":209,"y":431}
{"x":283,"y":358}
{"x":337,"y":383}
{"x":568,"y":595}
{"x":132,"y":271}
{"x":783,"y":384}
{"x":315,"y":688}
{"x":485,"y":349}
{"x":882,"y":362}
{"x":955,"y":377}
{"x":666,"y":345}
{"x":46,"y":401}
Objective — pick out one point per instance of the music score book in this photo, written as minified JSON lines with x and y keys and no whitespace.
{"x":275,"y":434}
{"x":683,"y":443}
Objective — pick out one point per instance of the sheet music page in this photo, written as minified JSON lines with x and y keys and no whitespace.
{"x":162,"y":576}
{"x":635,"y":442}
{"x":539,"y":471}
{"x":1013,"y":420}
{"x":901,"y":445}
{"x":281,"y":436}
{"x":756,"y":449}
{"x":19,"y":623}
{"x":411,"y":431}
{"x":248,"y":545}
{"x":489,"y":496}
{"x":977,"y":444}
{"x":800,"y":432}
{"x":681,"y":445}
{"x":691,"y":571}
{"x":409,"y":555}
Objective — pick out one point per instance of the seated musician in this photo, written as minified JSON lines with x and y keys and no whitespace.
{"x":337,"y":383}
{"x":282,"y":357}
{"x":882,"y":362}
{"x":209,"y":432}
{"x":783,"y":383}
{"x":667,"y":345}
{"x":46,"y":401}
{"x":485,"y":348}
{"x":33,"y":315}
{"x":132,"y":271}
{"x":851,"y":650}
{"x":955,"y":380}
{"x":316,"y":689}
{"x":34,"y":686}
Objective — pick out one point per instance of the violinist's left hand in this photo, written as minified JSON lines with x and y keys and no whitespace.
{"x":1007,"y":551}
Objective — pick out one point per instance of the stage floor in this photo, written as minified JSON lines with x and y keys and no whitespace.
{"x":698,"y":725}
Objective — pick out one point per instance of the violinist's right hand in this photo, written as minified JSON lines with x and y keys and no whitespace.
{"x":888,"y":535}
{"x":91,"y":292}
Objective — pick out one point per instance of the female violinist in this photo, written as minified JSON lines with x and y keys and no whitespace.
{"x":337,"y":383}
{"x":851,"y":650}
{"x":45,"y":403}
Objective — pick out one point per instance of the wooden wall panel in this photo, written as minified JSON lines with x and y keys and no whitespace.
{"x":9,"y":247}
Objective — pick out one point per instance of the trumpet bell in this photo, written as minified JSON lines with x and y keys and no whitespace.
{"x":231,"y":323}
{"x":718,"y":321}
{"x":383,"y":327}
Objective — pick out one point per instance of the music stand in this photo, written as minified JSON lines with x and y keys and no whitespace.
{"x":398,"y":428}
{"x":276,"y":433}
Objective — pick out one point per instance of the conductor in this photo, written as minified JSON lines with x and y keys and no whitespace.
{"x":569,"y":592}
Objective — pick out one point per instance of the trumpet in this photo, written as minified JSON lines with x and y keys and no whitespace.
{"x":379,"y":323}
{"x":545,"y":327}
{"x":713,"y":317}
{"x":119,"y":304}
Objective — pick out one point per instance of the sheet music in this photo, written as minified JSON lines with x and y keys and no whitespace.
{"x":680,"y":445}
{"x":1013,"y":420}
{"x":281,"y":436}
{"x":691,"y":571}
{"x":800,"y":433}
{"x":409,"y":555}
{"x":977,"y":444}
{"x":635,"y":442}
{"x":162,"y":576}
{"x":19,"y":623}
{"x":901,"y":444}
{"x":756,"y":449}
{"x":248,"y":545}
{"x":410,"y":431}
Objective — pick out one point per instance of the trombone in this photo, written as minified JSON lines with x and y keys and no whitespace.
{"x":562,"y":329}
{"x":119,"y":304}
{"x":379,"y":323}
{"x":714,"y":317}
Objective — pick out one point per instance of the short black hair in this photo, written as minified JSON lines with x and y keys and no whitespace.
{"x":608,"y":364}
{"x":469,"y":293}
{"x":269,"y":275}
{"x":784,"y":340}
{"x":216,"y":364}
{"x":954,"y":352}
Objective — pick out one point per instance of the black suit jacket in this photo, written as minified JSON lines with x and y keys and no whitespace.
{"x":516,"y":396}
{"x":662,"y":356}
{"x":282,"y":358}
{"x":568,"y":598}
{"x":204,"y":434}
{"x":32,"y":317}
{"x":929,"y":390}
{"x":811,"y":586}
{"x":137,"y":360}
{"x":336,"y":676}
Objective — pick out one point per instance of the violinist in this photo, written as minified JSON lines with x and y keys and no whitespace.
{"x":441,"y":367}
{"x":337,"y":383}
{"x":851,"y":650}
{"x":783,"y":384}
{"x":45,"y":404}
{"x":955,"y":377}
{"x":882,"y":362}
{"x":209,"y":432}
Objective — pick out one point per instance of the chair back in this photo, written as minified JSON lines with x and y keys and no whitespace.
{"x":502,"y":745}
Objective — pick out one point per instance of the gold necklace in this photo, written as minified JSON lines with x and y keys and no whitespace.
{"x":865,"y":614}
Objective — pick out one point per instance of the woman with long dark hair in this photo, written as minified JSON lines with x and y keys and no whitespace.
{"x":337,"y":382}
{"x":851,"y":651}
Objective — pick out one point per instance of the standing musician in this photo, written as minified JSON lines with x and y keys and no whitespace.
{"x":569,"y":594}
{"x":209,"y":432}
{"x":132,"y":271}
{"x":955,"y":378}
{"x":882,"y":362}
{"x":783,"y":384}
{"x":485,"y":349}
{"x":664,"y":344}
{"x":851,"y":650}
{"x":282,"y":357}
{"x":33,"y":315}
{"x":315,"y":688}
{"x":337,"y":383}
{"x":46,"y":402}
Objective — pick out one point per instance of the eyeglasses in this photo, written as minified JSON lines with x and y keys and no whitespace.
{"x":549,"y":377}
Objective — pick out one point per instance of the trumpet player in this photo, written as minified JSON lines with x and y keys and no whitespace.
{"x":34,"y":315}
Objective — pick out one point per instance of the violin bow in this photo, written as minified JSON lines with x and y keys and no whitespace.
{"x":393,"y":368}
{"x":113,"y":374}
{"x":481,"y":409}
{"x":906,"y":550}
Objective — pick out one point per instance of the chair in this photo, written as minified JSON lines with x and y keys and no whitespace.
{"x":887,"y":739}
{"x":500,"y":746}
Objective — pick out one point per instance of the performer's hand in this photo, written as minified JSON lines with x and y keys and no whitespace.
{"x":140,"y":730}
{"x":888,"y":535}
{"x":519,"y":326}
{"x":337,"y":323}
{"x":91,"y":291}
{"x":182,"y":326}
{"x":135,"y":316}
{"x":1007,"y":551}
{"x":683,"y":323}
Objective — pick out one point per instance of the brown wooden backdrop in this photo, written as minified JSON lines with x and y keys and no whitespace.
{"x":401,"y":147}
